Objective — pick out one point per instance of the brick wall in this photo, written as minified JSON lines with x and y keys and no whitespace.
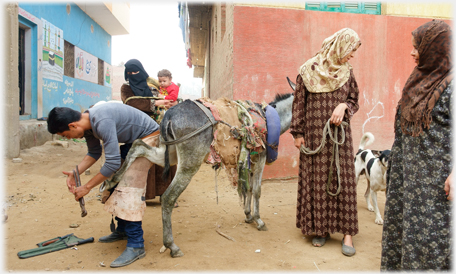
{"x":270,"y":44}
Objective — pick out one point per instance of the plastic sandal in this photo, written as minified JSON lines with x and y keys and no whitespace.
{"x":348,"y":250}
{"x":319,"y":241}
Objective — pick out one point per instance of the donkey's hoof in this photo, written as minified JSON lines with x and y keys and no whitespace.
{"x":176,"y":254}
{"x":249,"y":220}
{"x":262,"y":228}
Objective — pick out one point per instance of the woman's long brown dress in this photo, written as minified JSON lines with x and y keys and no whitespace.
{"x":317,"y":212}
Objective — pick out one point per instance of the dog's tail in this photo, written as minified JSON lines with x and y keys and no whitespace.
{"x":366,"y":140}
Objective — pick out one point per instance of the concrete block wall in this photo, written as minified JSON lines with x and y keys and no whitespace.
{"x":221,"y":53}
{"x":440,"y":10}
{"x":33,"y":133}
{"x":10,"y":88}
{"x":118,"y":80}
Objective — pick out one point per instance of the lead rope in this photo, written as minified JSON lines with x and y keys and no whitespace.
{"x":216,"y":190}
{"x":335,"y":152}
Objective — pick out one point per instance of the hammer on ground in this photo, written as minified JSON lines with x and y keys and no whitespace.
{"x":78,"y":184}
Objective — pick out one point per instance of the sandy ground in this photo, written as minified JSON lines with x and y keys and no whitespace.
{"x":39,"y":207}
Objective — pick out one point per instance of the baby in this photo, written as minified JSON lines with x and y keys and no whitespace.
{"x":168,"y":90}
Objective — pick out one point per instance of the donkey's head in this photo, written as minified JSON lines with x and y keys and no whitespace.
{"x":282,"y":103}
{"x":292,"y":85}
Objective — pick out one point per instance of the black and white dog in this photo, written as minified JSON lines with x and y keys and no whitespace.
{"x":373,"y":164}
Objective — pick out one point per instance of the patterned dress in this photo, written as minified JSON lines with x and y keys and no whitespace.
{"x":417,"y":227}
{"x":317,"y":212}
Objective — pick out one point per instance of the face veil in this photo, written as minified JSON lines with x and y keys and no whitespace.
{"x":138,"y":82}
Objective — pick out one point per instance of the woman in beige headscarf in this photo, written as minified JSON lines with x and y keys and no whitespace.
{"x":326,"y":89}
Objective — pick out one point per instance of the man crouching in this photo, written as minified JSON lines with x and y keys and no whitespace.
{"x":112,"y":124}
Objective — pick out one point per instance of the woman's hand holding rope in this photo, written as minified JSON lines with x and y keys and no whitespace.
{"x":298,"y":142}
{"x":335,"y":150}
{"x":338,"y":114}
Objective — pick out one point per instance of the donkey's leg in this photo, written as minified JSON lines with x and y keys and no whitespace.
{"x":168,"y":199}
{"x":248,"y":195}
{"x":191,"y":155}
{"x":256,"y":190}
{"x":247,"y":203}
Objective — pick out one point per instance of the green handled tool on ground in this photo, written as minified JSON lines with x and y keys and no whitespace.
{"x":54,"y":244}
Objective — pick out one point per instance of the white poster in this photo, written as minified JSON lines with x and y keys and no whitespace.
{"x":86,"y":66}
{"x":52,"y":64}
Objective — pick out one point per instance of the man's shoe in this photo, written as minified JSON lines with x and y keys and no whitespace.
{"x":113,"y":237}
{"x":129,"y":255}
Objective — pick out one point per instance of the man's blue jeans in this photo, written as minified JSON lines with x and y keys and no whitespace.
{"x":133,"y":230}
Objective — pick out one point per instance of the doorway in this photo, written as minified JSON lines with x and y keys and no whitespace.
{"x":21,"y":49}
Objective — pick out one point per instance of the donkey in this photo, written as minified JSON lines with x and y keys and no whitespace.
{"x":189,"y":154}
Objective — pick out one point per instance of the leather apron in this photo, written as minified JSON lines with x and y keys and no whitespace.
{"x":128,"y":200}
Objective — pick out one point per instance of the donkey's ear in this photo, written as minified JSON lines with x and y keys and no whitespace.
{"x":292,"y":85}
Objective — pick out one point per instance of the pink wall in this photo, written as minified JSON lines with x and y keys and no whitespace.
{"x":271,"y":44}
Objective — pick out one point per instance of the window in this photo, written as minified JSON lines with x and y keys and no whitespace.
{"x":69,"y":59}
{"x":69,"y":63}
{"x":100,"y":72}
{"x":348,"y":7}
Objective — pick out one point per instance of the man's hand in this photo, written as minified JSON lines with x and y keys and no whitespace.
{"x":80,"y":192}
{"x":83,"y":190}
{"x":449,"y":187}
{"x":298,"y":142}
{"x":71,"y":183}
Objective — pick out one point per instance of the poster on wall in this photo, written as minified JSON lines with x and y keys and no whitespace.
{"x":107,"y":75}
{"x":52,"y":62}
{"x":86,"y":66}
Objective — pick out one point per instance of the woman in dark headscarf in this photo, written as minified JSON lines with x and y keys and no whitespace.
{"x":136,"y":87}
{"x":137,"y":78}
{"x":418,"y":221}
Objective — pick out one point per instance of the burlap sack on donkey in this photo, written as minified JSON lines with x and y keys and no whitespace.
{"x":225,"y":145}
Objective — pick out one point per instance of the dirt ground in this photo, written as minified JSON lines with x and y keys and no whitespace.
{"x":39,"y":207}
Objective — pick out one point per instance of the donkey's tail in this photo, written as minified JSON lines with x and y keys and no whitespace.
{"x":165,"y":174}
{"x":164,"y":134}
